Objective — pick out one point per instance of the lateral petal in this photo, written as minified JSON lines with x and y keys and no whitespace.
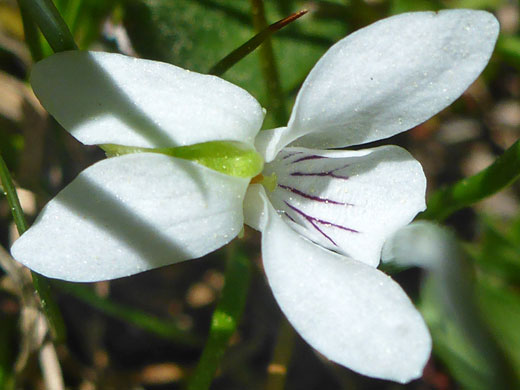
{"x":106,"y":98}
{"x":129,"y":214}
{"x":352,"y":313}
{"x":390,"y":76}
{"x":348,"y":201}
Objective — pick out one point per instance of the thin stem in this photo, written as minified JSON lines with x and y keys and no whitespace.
{"x":236,"y":55}
{"x":499,"y":175}
{"x":12,"y":197}
{"x":40,"y":283}
{"x":268,"y":66}
{"x":32,"y":36}
{"x":224,"y":321}
{"x":50,"y":22}
{"x":277,"y":369}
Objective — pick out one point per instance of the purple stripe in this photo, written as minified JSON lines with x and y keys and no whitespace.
{"x":322,"y":174}
{"x":288,"y":216}
{"x":329,"y":174}
{"x":315,"y":198}
{"x":290,"y":155}
{"x":311,"y":221}
{"x":314,"y":221}
{"x":311,"y":157}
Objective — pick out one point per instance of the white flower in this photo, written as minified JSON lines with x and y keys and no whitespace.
{"x":324,"y":224}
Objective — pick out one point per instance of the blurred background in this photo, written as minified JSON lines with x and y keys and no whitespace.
{"x":147,"y":331}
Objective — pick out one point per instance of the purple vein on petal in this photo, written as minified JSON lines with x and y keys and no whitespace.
{"x":310,"y":157}
{"x":290,"y":155}
{"x":315,"y":221}
{"x":311,"y":197}
{"x":288,"y":216}
{"x":326,"y":173}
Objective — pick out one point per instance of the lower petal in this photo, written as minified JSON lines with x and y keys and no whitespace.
{"x":350,"y":312}
{"x":132,"y":213}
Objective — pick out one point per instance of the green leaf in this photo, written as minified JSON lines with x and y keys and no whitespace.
{"x":501,"y":307}
{"x":498,"y":253}
{"x":474,"y":4}
{"x":50,"y":22}
{"x":31,"y":33}
{"x":400,"y":6}
{"x":499,"y":175}
{"x":473,"y":369}
{"x":509,"y":47}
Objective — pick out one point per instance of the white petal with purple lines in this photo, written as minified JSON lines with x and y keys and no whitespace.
{"x":352,"y":313}
{"x":348,"y":201}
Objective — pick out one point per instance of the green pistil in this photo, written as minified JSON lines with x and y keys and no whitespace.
{"x":231,"y":158}
{"x":270,"y":182}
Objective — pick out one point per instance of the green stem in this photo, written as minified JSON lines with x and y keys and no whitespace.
{"x":224,"y":321}
{"x":277,"y":369}
{"x":236,"y":55}
{"x":32,"y":36}
{"x":12,"y":197}
{"x":275,"y":96}
{"x":499,"y":175}
{"x":40,"y":283}
{"x":51,"y":24}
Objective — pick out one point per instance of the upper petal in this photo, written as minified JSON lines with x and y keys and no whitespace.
{"x":128,"y":214}
{"x":348,"y":201}
{"x":390,"y":77}
{"x":105,"y":98}
{"x":352,"y":313}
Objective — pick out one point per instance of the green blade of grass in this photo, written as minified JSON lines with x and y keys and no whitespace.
{"x":50,"y":22}
{"x":236,"y":55}
{"x":224,"y":321}
{"x":499,"y":175}
{"x":32,"y":36}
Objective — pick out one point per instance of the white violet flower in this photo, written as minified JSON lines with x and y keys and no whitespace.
{"x":326,"y":213}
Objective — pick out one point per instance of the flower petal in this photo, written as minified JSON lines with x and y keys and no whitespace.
{"x":389,"y":77}
{"x":129,"y":214}
{"x":422,"y":244}
{"x":105,"y":98}
{"x":348,"y":201}
{"x":352,"y":313}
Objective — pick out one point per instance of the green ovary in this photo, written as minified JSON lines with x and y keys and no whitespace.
{"x":231,"y":158}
